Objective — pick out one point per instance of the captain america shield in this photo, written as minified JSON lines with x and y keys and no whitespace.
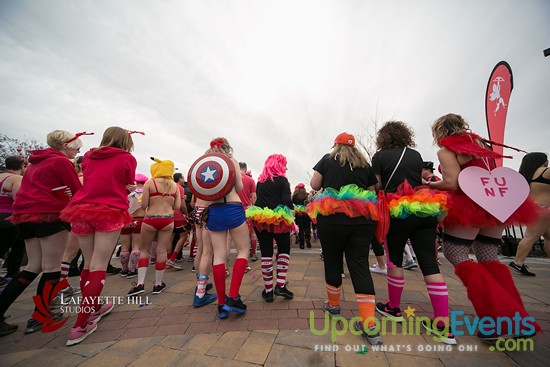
{"x":211,"y":177}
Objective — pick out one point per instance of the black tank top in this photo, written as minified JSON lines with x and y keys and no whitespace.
{"x":541,"y":179}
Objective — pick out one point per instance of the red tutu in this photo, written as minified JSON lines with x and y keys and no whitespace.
{"x":464,"y":211}
{"x":274,"y":228}
{"x":95,"y":213}
{"x":33,"y":218}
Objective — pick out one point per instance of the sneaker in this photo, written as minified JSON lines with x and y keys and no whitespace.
{"x":153,"y":260}
{"x":74,"y":272}
{"x":70,"y":291}
{"x":207,"y":299}
{"x":409,"y":264}
{"x":157,"y":289}
{"x":447,"y":338}
{"x":284,"y":292}
{"x":56,"y":301}
{"x":372,"y":336}
{"x":222,"y":313}
{"x":248,"y":268}
{"x":78,"y":334}
{"x":321,"y":255}
{"x":104,"y":310}
{"x":267,"y":296}
{"x":131,"y":274}
{"x":173,"y":264}
{"x":193,"y":269}
{"x":190,"y":259}
{"x":378,"y":270}
{"x":333,"y":311}
{"x":6,"y":329}
{"x":112,"y":270}
{"x":124,"y":273}
{"x":234,"y":305}
{"x":254,"y":257}
{"x":33,"y":326}
{"x":393,"y":314}
{"x":308,"y":243}
{"x":521,"y":269}
{"x":136,"y":289}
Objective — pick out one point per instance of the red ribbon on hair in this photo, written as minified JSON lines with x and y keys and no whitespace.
{"x":135,"y":132}
{"x":216,"y":143}
{"x":77,"y":135}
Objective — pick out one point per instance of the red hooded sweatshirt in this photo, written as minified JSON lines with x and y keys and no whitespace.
{"x":107,"y":171}
{"x":48,"y":169}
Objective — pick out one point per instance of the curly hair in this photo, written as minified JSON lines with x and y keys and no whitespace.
{"x":395,"y":134}
{"x":447,"y":125}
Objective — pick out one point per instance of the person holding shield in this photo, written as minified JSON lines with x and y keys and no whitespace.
{"x":468,"y":226}
{"x":214,"y":177}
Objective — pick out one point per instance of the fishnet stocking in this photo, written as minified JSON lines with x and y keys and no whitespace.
{"x":455,"y":253}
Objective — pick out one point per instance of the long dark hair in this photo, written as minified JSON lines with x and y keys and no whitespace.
{"x":530,"y":163}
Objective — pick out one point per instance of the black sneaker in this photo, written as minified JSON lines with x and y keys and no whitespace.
{"x":333,"y":311}
{"x":234,"y":305}
{"x":33,"y":326}
{"x":6,"y":329}
{"x":131,"y":274}
{"x":439,"y":332}
{"x":521,"y":269}
{"x":308,"y":243}
{"x":393,"y":314}
{"x":157,"y":289}
{"x":267,"y":296}
{"x":284,"y":292}
{"x":491,"y":336}
{"x":136,"y":289}
{"x":112,"y":270}
{"x":124,"y":273}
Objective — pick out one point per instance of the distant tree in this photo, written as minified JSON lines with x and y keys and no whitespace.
{"x":366,"y":139}
{"x":13,"y":146}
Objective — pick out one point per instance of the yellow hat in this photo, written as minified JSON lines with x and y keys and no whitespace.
{"x":162,"y":168}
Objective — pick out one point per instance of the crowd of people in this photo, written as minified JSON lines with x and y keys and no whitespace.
{"x":56,"y":204}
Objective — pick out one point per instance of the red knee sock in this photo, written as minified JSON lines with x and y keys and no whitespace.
{"x":90,"y":297}
{"x":239,"y":268}
{"x":218,"y":272}
{"x":84,"y":277}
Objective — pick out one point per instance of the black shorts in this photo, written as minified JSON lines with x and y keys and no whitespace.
{"x":40,"y":230}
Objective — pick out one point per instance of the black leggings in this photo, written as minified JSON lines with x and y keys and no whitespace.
{"x":422,"y":233}
{"x":377,"y":247}
{"x":354,"y":241}
{"x":265,"y":239}
{"x":304,"y":228}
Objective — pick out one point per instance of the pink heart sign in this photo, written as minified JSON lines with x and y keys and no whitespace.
{"x":500,"y":191}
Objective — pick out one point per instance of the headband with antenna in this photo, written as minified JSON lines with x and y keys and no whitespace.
{"x":77,"y":135}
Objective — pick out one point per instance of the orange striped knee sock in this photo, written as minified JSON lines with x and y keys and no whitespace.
{"x":333,"y":294}
{"x":365,"y":303}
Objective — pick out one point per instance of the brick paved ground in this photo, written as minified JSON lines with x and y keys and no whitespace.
{"x":170,"y":332}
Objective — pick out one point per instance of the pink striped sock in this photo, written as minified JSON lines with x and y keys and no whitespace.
{"x":439,"y":295}
{"x":395,"y":289}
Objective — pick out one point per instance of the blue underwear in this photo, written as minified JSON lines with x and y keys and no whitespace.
{"x":225,"y":217}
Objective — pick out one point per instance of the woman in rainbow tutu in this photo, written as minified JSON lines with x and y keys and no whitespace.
{"x":415,"y":211}
{"x":273,"y":220}
{"x":346,"y":213}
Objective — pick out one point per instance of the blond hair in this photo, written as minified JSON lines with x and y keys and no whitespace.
{"x":223,"y":148}
{"x":58,"y":139}
{"x":117,"y":137}
{"x":349,"y":155}
{"x":447,"y":125}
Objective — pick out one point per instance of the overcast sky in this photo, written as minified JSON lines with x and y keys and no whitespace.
{"x":271,"y":76}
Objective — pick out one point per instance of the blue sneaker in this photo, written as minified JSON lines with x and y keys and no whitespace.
{"x":207,"y":299}
{"x":234,"y":305}
{"x":222,"y":314}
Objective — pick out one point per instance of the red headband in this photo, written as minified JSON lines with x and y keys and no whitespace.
{"x":216,"y":143}
{"x":135,"y":132}
{"x":77,"y":135}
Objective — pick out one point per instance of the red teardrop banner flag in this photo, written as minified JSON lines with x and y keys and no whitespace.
{"x":497,"y":99}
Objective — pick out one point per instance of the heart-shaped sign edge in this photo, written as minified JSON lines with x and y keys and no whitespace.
{"x":499,"y":207}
